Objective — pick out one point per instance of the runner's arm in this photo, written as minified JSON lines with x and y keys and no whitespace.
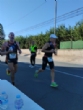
{"x":3,"y":53}
{"x":45,"y":47}
{"x":54,"y":49}
{"x":35,"y":48}
{"x":3,"y":47}
{"x":19,"y":48}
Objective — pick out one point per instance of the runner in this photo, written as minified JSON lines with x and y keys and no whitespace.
{"x":12,"y":59}
{"x":48,"y":49}
{"x":33,"y":50}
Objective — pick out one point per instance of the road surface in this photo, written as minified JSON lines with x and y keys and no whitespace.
{"x":69,"y":94}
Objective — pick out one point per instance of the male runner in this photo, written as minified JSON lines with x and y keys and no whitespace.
{"x":13,"y":46}
{"x":33,"y":50}
{"x":48,"y":49}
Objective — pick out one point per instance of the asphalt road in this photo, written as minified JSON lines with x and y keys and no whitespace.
{"x":69,"y":94}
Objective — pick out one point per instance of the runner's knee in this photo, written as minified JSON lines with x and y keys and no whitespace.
{"x":52,"y":70}
{"x":11,"y":68}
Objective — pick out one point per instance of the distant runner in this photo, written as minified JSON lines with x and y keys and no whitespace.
{"x":33,"y":50}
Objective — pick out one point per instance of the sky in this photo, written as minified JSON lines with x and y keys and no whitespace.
{"x":18,"y":15}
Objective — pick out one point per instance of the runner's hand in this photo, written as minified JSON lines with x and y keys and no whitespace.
{"x":52,"y":50}
{"x":54,"y":53}
{"x":20,"y":52}
{"x":10,"y":51}
{"x":0,"y":52}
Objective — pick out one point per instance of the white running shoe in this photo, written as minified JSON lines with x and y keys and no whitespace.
{"x":31,"y":66}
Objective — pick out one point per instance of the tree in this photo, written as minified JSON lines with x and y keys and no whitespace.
{"x":2,"y":34}
{"x":64,"y":34}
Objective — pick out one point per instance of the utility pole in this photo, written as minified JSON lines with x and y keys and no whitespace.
{"x":71,"y":40}
{"x":55,"y":15}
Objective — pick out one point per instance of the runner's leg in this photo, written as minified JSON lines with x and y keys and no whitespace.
{"x":44,"y":64}
{"x":15,"y":68}
{"x":12,"y":70}
{"x":53,"y":83}
{"x":33,"y":60}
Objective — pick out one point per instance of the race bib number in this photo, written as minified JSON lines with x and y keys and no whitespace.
{"x":50,"y":59}
{"x":12,"y":56}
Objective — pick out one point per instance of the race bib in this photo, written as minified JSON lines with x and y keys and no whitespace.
{"x":12,"y":55}
{"x":50,"y":59}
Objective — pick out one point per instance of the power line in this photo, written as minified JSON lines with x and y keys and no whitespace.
{"x":74,"y":13}
{"x":63,"y":17}
{"x":27,"y":14}
{"x":36,"y":26}
{"x":79,"y":9}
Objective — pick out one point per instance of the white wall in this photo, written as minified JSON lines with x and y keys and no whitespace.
{"x":60,"y":52}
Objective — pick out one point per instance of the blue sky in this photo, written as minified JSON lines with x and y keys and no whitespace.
{"x":12,"y":10}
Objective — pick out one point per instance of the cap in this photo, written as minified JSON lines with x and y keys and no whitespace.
{"x":53,"y":36}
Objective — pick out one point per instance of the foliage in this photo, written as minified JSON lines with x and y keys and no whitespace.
{"x":64,"y":34}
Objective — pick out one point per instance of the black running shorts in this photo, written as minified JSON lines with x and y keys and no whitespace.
{"x":45,"y":62}
{"x":14,"y":61}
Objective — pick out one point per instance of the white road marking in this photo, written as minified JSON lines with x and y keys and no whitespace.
{"x":55,"y":70}
{"x":64,"y":73}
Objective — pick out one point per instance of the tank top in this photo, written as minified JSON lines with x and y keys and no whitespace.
{"x":49,"y":48}
{"x":14,"y":48}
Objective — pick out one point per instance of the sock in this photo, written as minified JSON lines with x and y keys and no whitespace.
{"x":37,"y":71}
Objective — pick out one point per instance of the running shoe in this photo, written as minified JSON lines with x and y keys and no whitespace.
{"x":7,"y":71}
{"x":36,"y":74}
{"x":53,"y":84}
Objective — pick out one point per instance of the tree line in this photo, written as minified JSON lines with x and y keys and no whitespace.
{"x":64,"y":34}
